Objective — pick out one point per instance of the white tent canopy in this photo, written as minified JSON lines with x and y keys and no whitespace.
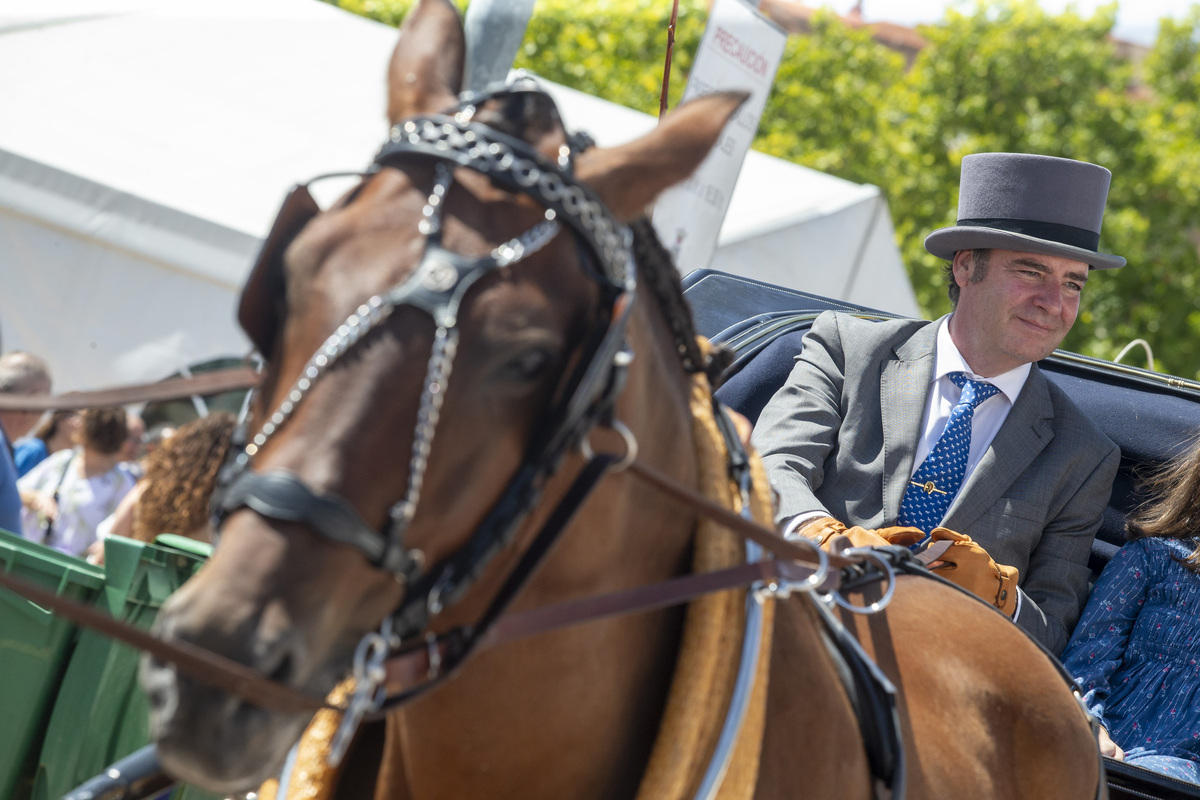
{"x":146,"y":145}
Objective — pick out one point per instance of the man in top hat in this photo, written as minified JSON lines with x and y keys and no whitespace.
{"x":948,"y":428}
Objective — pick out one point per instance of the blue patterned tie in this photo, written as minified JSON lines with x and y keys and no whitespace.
{"x":940,"y":475}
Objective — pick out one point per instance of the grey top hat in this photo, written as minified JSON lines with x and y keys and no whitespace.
{"x":1029,"y":203}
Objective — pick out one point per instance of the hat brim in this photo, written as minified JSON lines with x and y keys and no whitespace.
{"x":945,"y":242}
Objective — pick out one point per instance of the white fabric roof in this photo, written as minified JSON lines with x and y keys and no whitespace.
{"x":146,"y":145}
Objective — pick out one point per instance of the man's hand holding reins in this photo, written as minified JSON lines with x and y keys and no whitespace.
{"x":967,"y":565}
{"x":823,"y":530}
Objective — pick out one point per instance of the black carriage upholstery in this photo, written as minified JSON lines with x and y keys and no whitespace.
{"x":1149,"y":422}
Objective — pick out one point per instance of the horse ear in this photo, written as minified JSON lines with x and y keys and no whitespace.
{"x":426,"y":70}
{"x":629,"y":177}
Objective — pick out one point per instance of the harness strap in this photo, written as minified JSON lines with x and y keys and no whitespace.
{"x":196,"y":662}
{"x":226,"y":380}
{"x":414,"y":665}
{"x":873,"y":698}
{"x":281,"y":495}
{"x":443,"y":655}
{"x":771,"y":541}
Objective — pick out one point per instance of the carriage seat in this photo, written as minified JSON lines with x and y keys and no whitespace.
{"x":1150,"y":423}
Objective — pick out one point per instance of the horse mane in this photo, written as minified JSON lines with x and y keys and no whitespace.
{"x":657,"y":268}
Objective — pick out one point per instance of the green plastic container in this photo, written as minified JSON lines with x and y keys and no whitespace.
{"x":100,"y":714}
{"x":34,"y":650}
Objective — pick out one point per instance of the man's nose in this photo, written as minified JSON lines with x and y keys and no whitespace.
{"x":1049,"y":298}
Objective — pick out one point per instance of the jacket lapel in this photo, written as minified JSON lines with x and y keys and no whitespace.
{"x":903,"y":386}
{"x":1025,"y":433}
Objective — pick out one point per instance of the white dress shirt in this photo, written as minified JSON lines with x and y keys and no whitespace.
{"x":944,"y":393}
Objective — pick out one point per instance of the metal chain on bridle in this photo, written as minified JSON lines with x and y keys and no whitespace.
{"x":436,"y":278}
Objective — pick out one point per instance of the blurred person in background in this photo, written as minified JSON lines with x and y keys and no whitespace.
{"x":57,"y":432}
{"x":67,"y":496}
{"x":157,"y":435}
{"x":20,"y":374}
{"x":134,"y":449}
{"x":174,"y":495}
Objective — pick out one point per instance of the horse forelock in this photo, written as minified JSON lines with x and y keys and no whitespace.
{"x":527,"y":115}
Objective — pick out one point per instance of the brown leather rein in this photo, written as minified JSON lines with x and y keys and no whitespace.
{"x":794,"y":566}
{"x":226,"y":380}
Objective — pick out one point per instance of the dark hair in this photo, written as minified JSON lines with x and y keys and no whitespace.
{"x":980,"y":259}
{"x":104,"y":429}
{"x":47,"y":429}
{"x":1173,"y":510}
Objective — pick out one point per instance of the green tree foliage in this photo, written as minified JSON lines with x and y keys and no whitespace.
{"x":823,"y":111}
{"x":614,"y":50}
{"x":611,"y":49}
{"x":1004,"y":76}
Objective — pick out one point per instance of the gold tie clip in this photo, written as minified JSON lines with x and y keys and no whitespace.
{"x":927,"y":487}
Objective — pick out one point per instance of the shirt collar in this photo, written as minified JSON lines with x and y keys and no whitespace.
{"x":947,"y":359}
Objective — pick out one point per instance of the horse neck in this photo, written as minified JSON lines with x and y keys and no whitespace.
{"x":574,"y":713}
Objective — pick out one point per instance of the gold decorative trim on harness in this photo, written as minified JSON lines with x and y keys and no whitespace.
{"x":712,"y":641}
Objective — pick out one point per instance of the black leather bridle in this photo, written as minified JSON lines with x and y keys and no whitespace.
{"x":437,"y":287}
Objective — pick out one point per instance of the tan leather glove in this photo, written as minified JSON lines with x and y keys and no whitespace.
{"x":823,"y":529}
{"x":969,"y":566}
{"x":901,"y":535}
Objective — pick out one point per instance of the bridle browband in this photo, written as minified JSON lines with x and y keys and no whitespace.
{"x":437,"y":286}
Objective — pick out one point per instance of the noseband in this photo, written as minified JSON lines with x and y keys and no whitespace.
{"x":437,"y":287}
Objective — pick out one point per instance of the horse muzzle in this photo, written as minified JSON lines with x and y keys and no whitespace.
{"x":211,"y":739}
{"x":206,"y":736}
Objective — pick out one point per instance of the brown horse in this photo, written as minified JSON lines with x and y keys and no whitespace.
{"x":572,"y":713}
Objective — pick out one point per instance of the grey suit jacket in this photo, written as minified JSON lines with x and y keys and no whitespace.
{"x":841,"y":435}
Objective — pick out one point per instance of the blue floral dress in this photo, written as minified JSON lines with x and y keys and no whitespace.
{"x":1136,"y":652}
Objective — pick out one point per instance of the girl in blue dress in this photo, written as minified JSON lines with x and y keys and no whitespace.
{"x":1136,"y":649}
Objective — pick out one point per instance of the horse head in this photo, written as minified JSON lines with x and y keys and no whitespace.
{"x":437,"y":341}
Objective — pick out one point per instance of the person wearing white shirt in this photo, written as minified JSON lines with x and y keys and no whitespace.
{"x":66,"y":496}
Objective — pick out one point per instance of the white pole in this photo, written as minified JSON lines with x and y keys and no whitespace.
{"x":494,"y":30}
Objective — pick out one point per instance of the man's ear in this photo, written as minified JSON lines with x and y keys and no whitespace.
{"x":963,"y":265}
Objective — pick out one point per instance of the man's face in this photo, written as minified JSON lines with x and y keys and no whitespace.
{"x":1018,"y":312}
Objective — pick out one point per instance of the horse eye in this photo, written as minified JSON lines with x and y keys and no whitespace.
{"x":529,"y":365}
